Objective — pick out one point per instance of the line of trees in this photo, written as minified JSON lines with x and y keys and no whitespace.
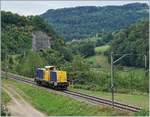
{"x":134,"y":39}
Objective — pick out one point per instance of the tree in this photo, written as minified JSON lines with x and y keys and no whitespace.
{"x":52,"y":57}
{"x":134,"y":40}
{"x":30,"y":63}
{"x":83,"y":22}
{"x":79,"y":63}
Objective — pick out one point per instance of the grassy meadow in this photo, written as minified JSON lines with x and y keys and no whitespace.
{"x":101,"y":49}
{"x":99,"y":60}
{"x":139,"y":100}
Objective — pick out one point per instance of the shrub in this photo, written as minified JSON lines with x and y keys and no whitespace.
{"x":4,"y":111}
{"x":142,"y":113}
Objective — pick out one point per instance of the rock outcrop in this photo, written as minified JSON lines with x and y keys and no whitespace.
{"x":40,"y":41}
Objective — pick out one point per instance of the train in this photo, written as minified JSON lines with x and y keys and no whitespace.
{"x":52,"y":77}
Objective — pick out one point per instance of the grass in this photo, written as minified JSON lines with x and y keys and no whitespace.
{"x":5,"y":97}
{"x":54,"y":104}
{"x":99,"y":60}
{"x":101,"y":49}
{"x":136,"y":72}
{"x":136,"y":100}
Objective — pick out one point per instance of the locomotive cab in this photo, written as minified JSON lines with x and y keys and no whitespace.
{"x":51,"y":68}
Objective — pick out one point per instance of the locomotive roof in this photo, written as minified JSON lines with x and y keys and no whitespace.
{"x":49,"y":66}
{"x":41,"y":68}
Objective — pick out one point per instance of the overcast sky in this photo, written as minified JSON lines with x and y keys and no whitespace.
{"x":39,"y":7}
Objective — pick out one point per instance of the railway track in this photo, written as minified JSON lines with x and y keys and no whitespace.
{"x":104,"y":101}
{"x":94,"y":99}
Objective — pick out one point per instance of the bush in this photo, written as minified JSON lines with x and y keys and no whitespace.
{"x":29,"y":64}
{"x":142,"y":113}
{"x":4,"y":111}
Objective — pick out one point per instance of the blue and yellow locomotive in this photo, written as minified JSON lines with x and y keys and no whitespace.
{"x":50,"y":76}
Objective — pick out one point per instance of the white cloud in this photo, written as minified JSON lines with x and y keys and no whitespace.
{"x":39,"y":7}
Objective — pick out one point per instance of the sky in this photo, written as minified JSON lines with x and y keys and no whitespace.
{"x":39,"y":7}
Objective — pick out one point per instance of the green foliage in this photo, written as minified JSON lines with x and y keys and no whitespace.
{"x":85,"y":48}
{"x":29,"y":63}
{"x":52,"y":57}
{"x":17,"y":33}
{"x":79,"y":63}
{"x":102,"y":49}
{"x":134,"y":40}
{"x":83,"y":22}
{"x":66,"y":52}
{"x":79,"y":72}
{"x":131,"y":80}
{"x":5,"y":98}
{"x":8,"y":19}
{"x":142,"y":113}
{"x":99,"y":42}
{"x":4,"y":111}
{"x":126,"y":79}
{"x":39,"y":24}
{"x":16,"y":39}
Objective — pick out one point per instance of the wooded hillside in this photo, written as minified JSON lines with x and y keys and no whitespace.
{"x":82,"y":22}
{"x":17,"y":32}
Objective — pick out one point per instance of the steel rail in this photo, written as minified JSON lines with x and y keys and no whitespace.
{"x":104,"y":101}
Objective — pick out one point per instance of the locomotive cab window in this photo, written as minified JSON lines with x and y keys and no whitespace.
{"x":50,"y":68}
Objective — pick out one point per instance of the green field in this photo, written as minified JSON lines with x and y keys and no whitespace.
{"x":139,"y":100}
{"x":99,"y":61}
{"x":54,"y":104}
{"x":102,"y":49}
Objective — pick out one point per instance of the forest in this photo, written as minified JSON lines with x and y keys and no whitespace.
{"x":88,"y":21}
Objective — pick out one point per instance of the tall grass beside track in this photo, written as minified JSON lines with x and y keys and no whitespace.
{"x":139,"y":100}
{"x":5,"y":98}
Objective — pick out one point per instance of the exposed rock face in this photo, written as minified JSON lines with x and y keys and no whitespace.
{"x":40,"y":41}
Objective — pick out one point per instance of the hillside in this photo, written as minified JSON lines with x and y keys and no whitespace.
{"x":17,"y":44}
{"x":17,"y":32}
{"x":82,"y":22}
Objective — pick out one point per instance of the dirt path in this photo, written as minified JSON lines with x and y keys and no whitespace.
{"x":18,"y":106}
